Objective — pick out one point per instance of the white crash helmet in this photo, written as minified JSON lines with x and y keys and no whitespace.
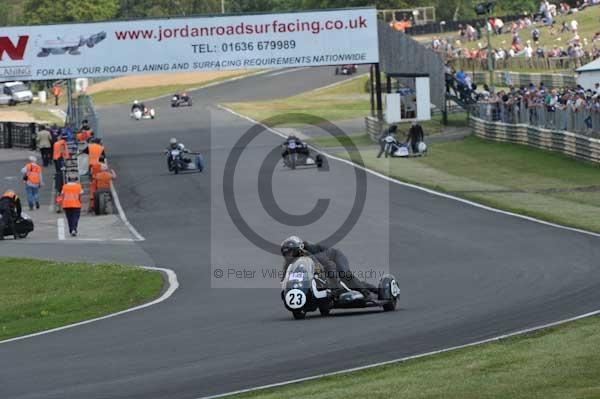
{"x":422,"y":147}
{"x":173,"y":140}
{"x":136,"y":102}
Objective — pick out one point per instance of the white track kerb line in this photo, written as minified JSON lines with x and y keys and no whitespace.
{"x":134,"y":232}
{"x":173,"y":285}
{"x":403,"y":359}
{"x":427,"y":190}
{"x":60,"y":224}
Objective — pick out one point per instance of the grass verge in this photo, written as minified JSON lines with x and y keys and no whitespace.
{"x":344,"y":101}
{"x":562,"y":362}
{"x":38,"y":295}
{"x":111,"y":97}
{"x":512,"y":177}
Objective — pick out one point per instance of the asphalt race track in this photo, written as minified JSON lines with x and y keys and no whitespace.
{"x":466,"y":273}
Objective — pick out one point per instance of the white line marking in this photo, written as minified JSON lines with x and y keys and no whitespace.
{"x":136,"y":234}
{"x":493,"y":339}
{"x":286,"y":71}
{"x":60,"y":222}
{"x":173,"y":285}
{"x":427,"y":190}
{"x":52,"y":198}
{"x":403,"y":359}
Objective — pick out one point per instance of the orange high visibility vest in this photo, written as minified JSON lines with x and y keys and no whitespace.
{"x":71,"y":195}
{"x":103,"y":180}
{"x":95,"y":168}
{"x":95,"y":151}
{"x":60,"y":149}
{"x":34,"y":173}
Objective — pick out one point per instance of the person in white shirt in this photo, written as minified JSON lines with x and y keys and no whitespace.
{"x":574,"y":26}
{"x":528,"y":51}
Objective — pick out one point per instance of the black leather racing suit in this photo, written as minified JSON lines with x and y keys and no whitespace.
{"x":10,"y":209}
{"x":301,"y":148}
{"x":336,"y":268}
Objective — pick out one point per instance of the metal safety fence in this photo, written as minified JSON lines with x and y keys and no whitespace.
{"x":584,"y":120}
{"x":521,"y":63}
{"x":82,"y":108}
{"x":18,"y":135}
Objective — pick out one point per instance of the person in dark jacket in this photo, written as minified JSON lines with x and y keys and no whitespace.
{"x":383,"y":144}
{"x":334,"y":262}
{"x":10,"y":210}
{"x":415,"y":136}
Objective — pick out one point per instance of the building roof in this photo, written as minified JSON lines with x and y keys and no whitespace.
{"x":592,"y":66}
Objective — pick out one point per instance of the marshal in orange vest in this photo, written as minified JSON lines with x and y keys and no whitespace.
{"x":33,"y":173}
{"x":71,"y":195}
{"x":60,"y":149}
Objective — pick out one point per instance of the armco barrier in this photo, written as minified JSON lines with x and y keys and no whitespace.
{"x":18,"y":135}
{"x":578,"y":146}
{"x":375,"y":127}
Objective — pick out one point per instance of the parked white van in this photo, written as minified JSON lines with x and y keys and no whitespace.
{"x":17,"y":93}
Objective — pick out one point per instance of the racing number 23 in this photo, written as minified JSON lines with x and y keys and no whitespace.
{"x":295,"y":299}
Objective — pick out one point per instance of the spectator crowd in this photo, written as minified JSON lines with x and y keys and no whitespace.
{"x":543,"y":23}
{"x":570,"y":108}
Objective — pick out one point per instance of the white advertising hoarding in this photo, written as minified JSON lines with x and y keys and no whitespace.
{"x":189,"y":44}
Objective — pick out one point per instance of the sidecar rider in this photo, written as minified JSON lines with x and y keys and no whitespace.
{"x":137,"y":106}
{"x":335,"y":263}
{"x":175,"y":145}
{"x":294,"y":144}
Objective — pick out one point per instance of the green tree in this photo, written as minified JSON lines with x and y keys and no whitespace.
{"x":51,"y":11}
{"x":163,"y":8}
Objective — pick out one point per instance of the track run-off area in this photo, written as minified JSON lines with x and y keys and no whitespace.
{"x":467,"y":273}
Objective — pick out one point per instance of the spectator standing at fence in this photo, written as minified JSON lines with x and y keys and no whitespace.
{"x":56,"y":92}
{"x":60,"y":154}
{"x":71,"y":203}
{"x":43,"y":141}
{"x":34,"y":179}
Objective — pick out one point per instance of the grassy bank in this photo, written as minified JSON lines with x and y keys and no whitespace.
{"x":588,"y":26}
{"x":513,"y":177}
{"x":344,"y":101}
{"x":563,"y":362}
{"x":39,"y":295}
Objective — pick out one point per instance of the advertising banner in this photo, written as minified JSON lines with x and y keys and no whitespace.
{"x":189,"y":44}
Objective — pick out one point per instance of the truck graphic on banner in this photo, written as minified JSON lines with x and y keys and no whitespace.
{"x":60,"y":45}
